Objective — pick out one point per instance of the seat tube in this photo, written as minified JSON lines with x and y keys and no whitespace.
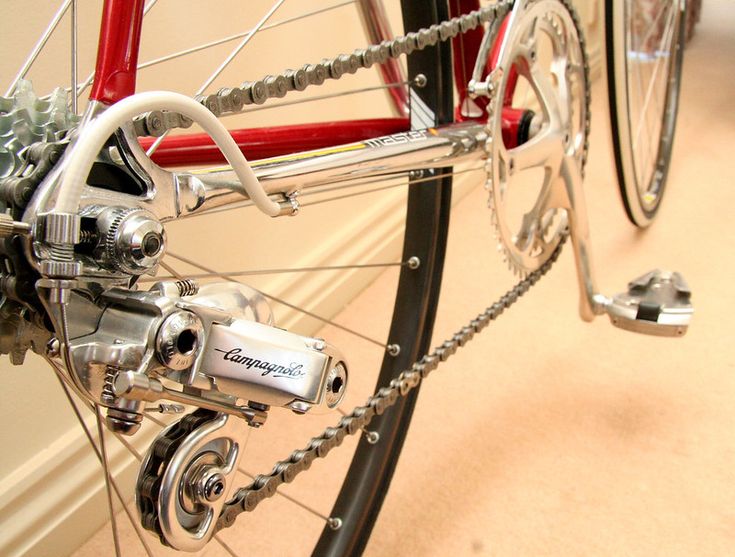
{"x":117,"y":51}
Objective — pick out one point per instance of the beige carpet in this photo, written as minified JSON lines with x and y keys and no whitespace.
{"x":549,"y":436}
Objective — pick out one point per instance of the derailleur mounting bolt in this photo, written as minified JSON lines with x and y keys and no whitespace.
{"x":212,"y":485}
{"x":479,"y":88}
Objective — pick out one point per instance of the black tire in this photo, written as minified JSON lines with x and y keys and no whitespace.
{"x":642,"y":180}
{"x":427,"y":222}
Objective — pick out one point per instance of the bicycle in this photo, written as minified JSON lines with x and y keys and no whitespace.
{"x":117,"y":237}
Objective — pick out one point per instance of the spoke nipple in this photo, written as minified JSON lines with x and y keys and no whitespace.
{"x":372,"y":437}
{"x":393,"y":349}
{"x":414,"y":263}
{"x":420,"y":81}
{"x":334,"y":523}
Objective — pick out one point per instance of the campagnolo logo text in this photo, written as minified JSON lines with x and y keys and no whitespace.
{"x":236,"y":356}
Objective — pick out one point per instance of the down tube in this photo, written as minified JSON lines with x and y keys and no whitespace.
{"x":372,"y":468}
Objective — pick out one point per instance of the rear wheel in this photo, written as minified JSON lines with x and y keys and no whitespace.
{"x":427,"y":205}
{"x":645,"y":43}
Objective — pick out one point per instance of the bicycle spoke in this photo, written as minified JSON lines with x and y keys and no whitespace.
{"x":156,"y":421}
{"x":634,"y":141}
{"x":224,"y":545}
{"x":328,"y":519}
{"x":351,"y":195}
{"x":226,"y":62}
{"x":93,"y":445}
{"x":74,"y":96}
{"x":81,"y":87}
{"x":236,"y":36}
{"x":652,"y":27}
{"x":283,"y":302}
{"x":106,"y":471}
{"x":657,"y":113}
{"x":277,"y":271}
{"x":171,"y":270}
{"x":651,"y":81}
{"x":38,"y":47}
{"x":125,"y":443}
{"x":312,"y":192}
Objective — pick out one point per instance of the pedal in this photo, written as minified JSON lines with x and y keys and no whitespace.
{"x":658,"y":303}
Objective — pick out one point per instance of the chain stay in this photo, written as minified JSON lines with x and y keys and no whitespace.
{"x":264,"y":486}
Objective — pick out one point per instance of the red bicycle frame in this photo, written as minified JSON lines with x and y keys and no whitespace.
{"x":115,"y":77}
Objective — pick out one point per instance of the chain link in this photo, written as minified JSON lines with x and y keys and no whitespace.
{"x":233,"y":100}
{"x":264,"y":486}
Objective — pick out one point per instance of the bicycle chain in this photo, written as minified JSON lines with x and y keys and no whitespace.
{"x":232,"y":101}
{"x":264,"y":486}
{"x":161,"y":452}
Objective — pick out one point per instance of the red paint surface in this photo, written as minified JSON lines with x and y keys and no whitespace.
{"x":117,"y":51}
{"x":465,"y":47}
{"x":261,"y":143}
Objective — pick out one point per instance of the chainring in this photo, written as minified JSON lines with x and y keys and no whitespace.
{"x":543,"y":48}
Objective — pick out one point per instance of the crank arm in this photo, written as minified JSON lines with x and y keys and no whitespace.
{"x":657,"y":303}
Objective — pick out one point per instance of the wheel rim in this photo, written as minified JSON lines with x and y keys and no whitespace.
{"x":645,"y":48}
{"x":417,"y":293}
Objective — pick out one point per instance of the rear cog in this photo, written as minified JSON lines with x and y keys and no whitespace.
{"x":541,"y":66}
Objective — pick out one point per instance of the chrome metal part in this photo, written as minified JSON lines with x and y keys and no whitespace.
{"x":10,"y":227}
{"x":197,"y":479}
{"x":382,"y":156}
{"x":179,"y":339}
{"x":25,"y":119}
{"x":271,"y":366}
{"x":131,"y":240}
{"x":657,"y":303}
{"x":264,"y":486}
{"x":215,"y":347}
{"x":136,"y":386}
{"x":166,"y":409}
{"x":555,"y":156}
{"x":189,"y":517}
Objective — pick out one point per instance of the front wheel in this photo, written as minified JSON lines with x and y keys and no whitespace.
{"x":645,"y":43}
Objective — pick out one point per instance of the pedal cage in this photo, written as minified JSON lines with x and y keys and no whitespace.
{"x":657,"y":303}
